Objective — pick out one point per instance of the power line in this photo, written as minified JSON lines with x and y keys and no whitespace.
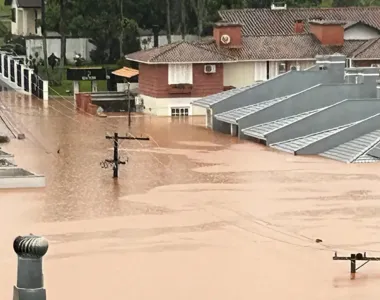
{"x":116,"y":142}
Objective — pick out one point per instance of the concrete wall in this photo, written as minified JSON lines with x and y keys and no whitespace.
{"x":342,"y":137}
{"x":310,"y":99}
{"x":74,"y":46}
{"x":340,"y":114}
{"x":365,"y":75}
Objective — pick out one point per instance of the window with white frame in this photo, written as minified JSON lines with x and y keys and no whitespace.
{"x":180,"y":74}
{"x":179,"y":111}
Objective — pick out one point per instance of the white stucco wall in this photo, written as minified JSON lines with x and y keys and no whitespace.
{"x":163,"y":106}
{"x":25,"y":21}
{"x":246,"y":73}
{"x":14,"y":28}
{"x":81,"y":46}
{"x":360,"y":32}
{"x":238,"y":74}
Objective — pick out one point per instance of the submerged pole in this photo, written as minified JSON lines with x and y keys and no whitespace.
{"x":30,"y":280}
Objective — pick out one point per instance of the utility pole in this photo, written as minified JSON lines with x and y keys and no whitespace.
{"x":353,"y":258}
{"x":115,"y":162}
{"x":129,"y":105}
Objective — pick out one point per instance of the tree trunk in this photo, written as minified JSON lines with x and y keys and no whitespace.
{"x":62,"y":31}
{"x":199,"y":7}
{"x":121,"y":37}
{"x":168,"y":22}
{"x":183,"y":19}
{"x":43,"y":29}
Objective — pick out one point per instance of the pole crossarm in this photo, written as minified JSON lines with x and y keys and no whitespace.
{"x":353,"y":258}
{"x":115,"y":162}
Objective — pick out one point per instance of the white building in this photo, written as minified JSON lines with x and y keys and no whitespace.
{"x":25,"y":16}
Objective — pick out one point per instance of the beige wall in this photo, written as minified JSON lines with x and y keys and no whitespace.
{"x":241,"y":74}
{"x":162,"y":106}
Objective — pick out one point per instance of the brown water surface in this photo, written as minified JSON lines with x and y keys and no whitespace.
{"x":194,"y":215}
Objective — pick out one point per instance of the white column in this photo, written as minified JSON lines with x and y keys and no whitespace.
{"x":22,"y":77}
{"x":15,"y":68}
{"x":2,"y":63}
{"x":25,"y":22}
{"x":9,"y":67}
{"x":94,"y":86}
{"x":30,"y":80}
{"x":234,"y":130}
{"x":45,"y":90}
{"x":75,"y":87}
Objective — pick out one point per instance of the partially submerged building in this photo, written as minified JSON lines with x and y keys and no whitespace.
{"x":326,"y":110}
{"x":12,"y":176}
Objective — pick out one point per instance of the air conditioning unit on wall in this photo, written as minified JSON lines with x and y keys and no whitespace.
{"x":209,"y":69}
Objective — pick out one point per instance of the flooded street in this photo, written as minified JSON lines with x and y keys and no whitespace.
{"x":194,"y":215}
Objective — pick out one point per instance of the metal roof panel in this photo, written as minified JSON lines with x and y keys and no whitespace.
{"x":261,"y":130}
{"x":296,"y":144}
{"x":208,"y":101}
{"x":355,"y":149}
{"x":232,"y":116}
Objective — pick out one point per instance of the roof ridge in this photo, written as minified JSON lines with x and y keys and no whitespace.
{"x":370,"y":44}
{"x":173,"y":45}
{"x":212,"y":51}
{"x":305,"y":8}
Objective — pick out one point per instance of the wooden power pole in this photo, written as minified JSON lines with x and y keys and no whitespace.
{"x":115,"y":162}
{"x":353,"y":258}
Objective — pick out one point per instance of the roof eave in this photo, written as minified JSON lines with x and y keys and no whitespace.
{"x":204,"y":105}
{"x":354,"y":58}
{"x":220,"y":62}
{"x":178,"y":62}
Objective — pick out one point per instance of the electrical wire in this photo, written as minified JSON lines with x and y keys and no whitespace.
{"x":253,"y":219}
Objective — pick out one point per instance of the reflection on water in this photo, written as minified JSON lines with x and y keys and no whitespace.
{"x":194,"y":215}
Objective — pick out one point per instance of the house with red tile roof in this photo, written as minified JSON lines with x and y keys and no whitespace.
{"x":253,"y":45}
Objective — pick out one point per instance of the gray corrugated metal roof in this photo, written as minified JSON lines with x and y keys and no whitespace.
{"x":301,"y":142}
{"x":232,"y":116}
{"x":261,"y":130}
{"x":375,"y":151}
{"x":355,"y":149}
{"x":213,"y":99}
{"x":366,"y":159}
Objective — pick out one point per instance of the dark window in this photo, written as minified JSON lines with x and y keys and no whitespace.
{"x":182,"y":111}
{"x":13,"y":15}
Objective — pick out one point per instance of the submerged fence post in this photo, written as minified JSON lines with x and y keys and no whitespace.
{"x":30,"y":280}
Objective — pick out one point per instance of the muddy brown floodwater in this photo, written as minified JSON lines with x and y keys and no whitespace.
{"x":194,"y":215}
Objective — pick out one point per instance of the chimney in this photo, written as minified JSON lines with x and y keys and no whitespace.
{"x":156,"y":31}
{"x":329,"y":33}
{"x":299,"y":26}
{"x":228,"y":34}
